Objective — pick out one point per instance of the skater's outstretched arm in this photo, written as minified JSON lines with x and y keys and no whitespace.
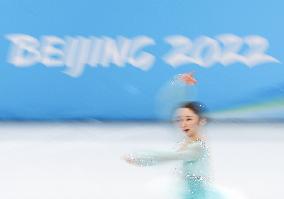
{"x":191,"y":153}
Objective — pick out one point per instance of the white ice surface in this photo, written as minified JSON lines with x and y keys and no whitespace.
{"x":83,"y":160}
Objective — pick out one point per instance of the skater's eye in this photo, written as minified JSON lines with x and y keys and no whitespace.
{"x":188,"y":118}
{"x":182,"y":120}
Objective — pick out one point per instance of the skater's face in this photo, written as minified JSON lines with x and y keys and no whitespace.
{"x":188,"y":121}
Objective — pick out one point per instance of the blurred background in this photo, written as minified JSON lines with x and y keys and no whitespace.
{"x":84,"y":82}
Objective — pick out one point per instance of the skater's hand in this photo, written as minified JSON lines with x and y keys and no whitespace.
{"x":130,"y":159}
{"x":188,"y":78}
{"x":140,"y":160}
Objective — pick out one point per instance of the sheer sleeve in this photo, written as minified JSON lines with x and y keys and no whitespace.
{"x":191,"y":153}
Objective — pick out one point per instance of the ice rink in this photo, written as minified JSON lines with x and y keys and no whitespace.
{"x":83,"y":160}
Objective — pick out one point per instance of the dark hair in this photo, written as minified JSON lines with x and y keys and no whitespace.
{"x":197,"y":107}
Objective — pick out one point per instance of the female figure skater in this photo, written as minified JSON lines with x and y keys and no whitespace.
{"x":193,"y":152}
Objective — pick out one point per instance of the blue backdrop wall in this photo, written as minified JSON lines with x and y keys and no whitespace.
{"x":114,"y":60}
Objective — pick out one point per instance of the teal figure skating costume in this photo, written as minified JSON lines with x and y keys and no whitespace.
{"x":195,"y":169}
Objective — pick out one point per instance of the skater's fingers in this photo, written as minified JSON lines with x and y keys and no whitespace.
{"x":129,"y":159}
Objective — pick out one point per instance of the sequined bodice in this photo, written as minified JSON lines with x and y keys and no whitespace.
{"x":198,"y":167}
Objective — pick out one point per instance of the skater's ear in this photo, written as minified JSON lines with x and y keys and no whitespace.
{"x":203,"y":121}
